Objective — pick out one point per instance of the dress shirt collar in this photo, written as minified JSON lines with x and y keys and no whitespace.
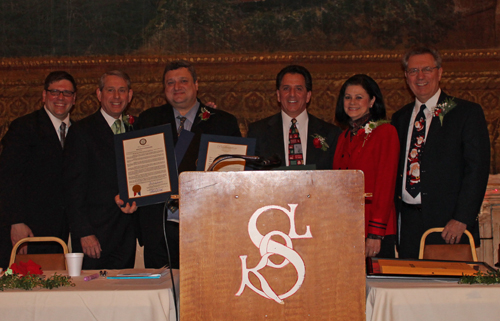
{"x":56,"y":122}
{"x":429,"y":104}
{"x":111,"y":120}
{"x":190,"y":116}
{"x":301,"y":119}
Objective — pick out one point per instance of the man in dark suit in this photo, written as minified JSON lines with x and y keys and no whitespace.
{"x":318,"y":138}
{"x":184,"y":112}
{"x":98,"y":228}
{"x":31,"y":188}
{"x":444,"y":161}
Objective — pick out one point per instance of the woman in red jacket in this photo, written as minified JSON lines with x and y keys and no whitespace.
{"x":370,"y":144}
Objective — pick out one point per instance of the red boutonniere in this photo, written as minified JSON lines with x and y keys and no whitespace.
{"x":320,"y":142}
{"x":24,"y":268}
{"x":205,"y":114}
{"x":128,"y":120}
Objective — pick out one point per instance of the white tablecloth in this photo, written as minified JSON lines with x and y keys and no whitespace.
{"x":408,"y":300}
{"x":99,"y":299}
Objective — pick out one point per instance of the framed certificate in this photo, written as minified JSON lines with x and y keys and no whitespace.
{"x":146,"y":165}
{"x":379,"y":267}
{"x":212,"y":146}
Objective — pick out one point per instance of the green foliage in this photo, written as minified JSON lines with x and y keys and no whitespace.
{"x":30,"y":281}
{"x":491,"y":277}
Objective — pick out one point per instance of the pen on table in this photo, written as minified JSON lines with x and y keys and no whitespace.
{"x":91,"y":277}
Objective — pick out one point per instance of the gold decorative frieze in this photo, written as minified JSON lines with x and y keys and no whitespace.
{"x":244,"y":84}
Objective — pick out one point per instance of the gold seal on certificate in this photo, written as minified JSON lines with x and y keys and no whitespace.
{"x":146,"y":166}
{"x":145,"y":160}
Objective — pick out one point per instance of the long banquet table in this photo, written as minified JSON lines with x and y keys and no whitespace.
{"x":99,"y":299}
{"x":409,"y":300}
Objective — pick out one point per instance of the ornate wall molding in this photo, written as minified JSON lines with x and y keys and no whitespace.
{"x":244,"y":84}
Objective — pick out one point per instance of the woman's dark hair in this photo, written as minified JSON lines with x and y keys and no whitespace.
{"x":378,"y":109}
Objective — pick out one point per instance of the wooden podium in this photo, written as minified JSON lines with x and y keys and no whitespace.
{"x":272,"y":245}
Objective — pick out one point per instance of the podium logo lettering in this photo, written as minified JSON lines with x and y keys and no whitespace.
{"x":269,"y":247}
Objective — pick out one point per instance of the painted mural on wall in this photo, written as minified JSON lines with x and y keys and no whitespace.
{"x":116,"y":27}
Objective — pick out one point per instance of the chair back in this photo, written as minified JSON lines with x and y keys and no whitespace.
{"x":52,"y":261}
{"x":447,"y":252}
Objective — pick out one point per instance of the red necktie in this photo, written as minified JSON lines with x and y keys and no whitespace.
{"x":294,"y":146}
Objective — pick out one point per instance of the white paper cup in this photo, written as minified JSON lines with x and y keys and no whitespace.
{"x":74,"y":262}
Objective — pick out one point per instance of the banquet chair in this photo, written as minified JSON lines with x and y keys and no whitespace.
{"x":447,"y":252}
{"x":51,"y":261}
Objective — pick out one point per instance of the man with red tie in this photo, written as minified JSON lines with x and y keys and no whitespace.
{"x":296,"y":136}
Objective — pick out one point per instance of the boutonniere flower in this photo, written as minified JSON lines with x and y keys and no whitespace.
{"x":320,"y":142}
{"x":205,"y":114}
{"x":371,"y":125}
{"x":443,"y":108}
{"x":128,"y":120}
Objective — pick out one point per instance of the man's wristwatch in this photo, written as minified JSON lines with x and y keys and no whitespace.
{"x":375,"y":237}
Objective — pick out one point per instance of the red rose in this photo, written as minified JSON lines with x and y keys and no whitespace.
{"x":437,"y":112}
{"x":317,"y":143}
{"x":23,"y":268}
{"x":206,"y":115}
{"x":131,"y":119}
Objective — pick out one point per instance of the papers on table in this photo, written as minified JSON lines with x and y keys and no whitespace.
{"x":161,"y":273}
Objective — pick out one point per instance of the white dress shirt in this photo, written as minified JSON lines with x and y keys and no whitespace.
{"x":429,"y":112}
{"x":56,"y":122}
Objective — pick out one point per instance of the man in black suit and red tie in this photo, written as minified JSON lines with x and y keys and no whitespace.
{"x":444,"y":161}
{"x":298,"y":137}
{"x":98,"y":228}
{"x":184,"y":112}
{"x":31,"y":163}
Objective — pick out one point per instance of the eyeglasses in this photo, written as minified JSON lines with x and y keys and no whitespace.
{"x":425,"y":71}
{"x":56,"y":93}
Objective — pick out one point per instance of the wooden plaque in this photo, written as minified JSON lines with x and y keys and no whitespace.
{"x":272,"y":245}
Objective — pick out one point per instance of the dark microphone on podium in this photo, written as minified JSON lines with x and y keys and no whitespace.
{"x":257,"y":162}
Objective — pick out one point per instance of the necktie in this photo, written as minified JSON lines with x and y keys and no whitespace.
{"x":294,"y":146}
{"x":62,"y":133}
{"x":117,"y":127}
{"x":181,"y":126}
{"x":415,"y":154}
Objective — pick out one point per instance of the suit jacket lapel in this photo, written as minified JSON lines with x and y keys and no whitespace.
{"x":275,"y":138}
{"x":436,"y":123}
{"x":104,"y":132}
{"x":197,"y":120}
{"x":168,"y":117}
{"x":313,"y":153}
{"x":403,"y":126}
{"x":48,"y":130}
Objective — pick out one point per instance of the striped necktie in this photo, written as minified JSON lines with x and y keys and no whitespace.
{"x":117,"y":127}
